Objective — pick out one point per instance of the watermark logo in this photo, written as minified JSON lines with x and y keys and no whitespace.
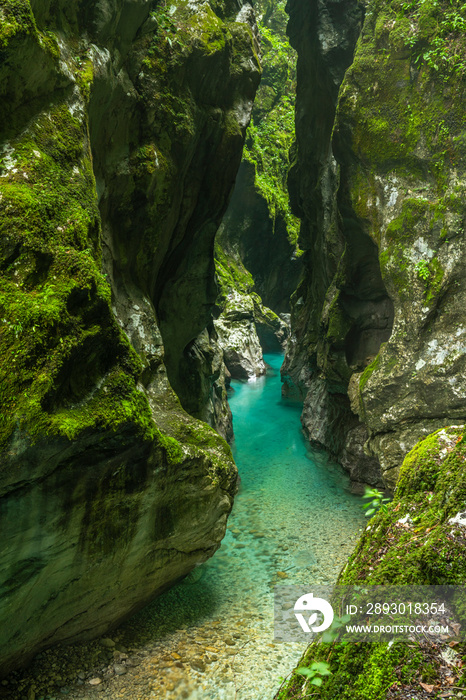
{"x":368,"y":613}
{"x":307,"y":603}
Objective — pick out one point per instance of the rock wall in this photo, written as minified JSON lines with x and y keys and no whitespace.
{"x":258,"y":224}
{"x":244,"y":326}
{"x":122,"y":124}
{"x":378,"y":182}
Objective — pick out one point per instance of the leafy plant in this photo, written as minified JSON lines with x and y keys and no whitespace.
{"x":333,"y":632}
{"x":315,"y":672}
{"x":377,"y":502}
{"x":422,"y":269}
{"x":436,"y":34}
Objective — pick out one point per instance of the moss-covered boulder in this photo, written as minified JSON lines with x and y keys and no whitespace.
{"x":121,"y":130}
{"x":419,"y":540}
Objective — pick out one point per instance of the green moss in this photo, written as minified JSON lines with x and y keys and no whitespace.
{"x":412,"y":212}
{"x":198,"y":440}
{"x":231,"y":274}
{"x":173,"y":449}
{"x":427,"y":549}
{"x":58,"y":332}
{"x":412,"y":543}
{"x":358,"y":672}
{"x":49,"y":42}
{"x":374,"y":365}
{"x":435,"y":279}
{"x":85,"y":76}
{"x":16,"y":17}
{"x":271,"y":131}
{"x":397,"y":114}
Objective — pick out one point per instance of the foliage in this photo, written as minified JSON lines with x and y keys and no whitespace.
{"x":377,"y":502}
{"x":315,"y":672}
{"x":422,"y":269}
{"x":435,"y":33}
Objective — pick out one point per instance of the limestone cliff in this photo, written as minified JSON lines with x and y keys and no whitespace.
{"x":378,"y":182}
{"x":121,"y":130}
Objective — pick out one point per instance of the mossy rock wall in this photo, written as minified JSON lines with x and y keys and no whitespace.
{"x":259,"y":224}
{"x":378,"y":182}
{"x":399,"y":137}
{"x":340,"y":310}
{"x":116,"y":121}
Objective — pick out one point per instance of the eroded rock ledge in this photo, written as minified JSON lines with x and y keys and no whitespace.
{"x":122,"y":125}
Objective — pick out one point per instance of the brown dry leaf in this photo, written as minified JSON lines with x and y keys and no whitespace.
{"x":453,"y":644}
{"x":427,"y":688}
{"x":456,"y":627}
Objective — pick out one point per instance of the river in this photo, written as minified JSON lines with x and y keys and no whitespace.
{"x":211,"y":637}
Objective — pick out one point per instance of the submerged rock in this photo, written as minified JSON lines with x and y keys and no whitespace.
{"x":122,"y":131}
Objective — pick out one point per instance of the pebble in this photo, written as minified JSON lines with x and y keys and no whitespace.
{"x":198,"y":664}
{"x":95,"y":681}
{"x":107,"y":642}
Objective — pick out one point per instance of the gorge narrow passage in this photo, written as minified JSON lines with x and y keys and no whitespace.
{"x":294,"y":521}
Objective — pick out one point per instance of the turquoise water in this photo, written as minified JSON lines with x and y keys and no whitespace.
{"x":294,"y":511}
{"x":294,"y":521}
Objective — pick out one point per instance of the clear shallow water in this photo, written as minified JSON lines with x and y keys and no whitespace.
{"x":294,"y":521}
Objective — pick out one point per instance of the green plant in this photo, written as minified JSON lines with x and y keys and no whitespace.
{"x":333,"y":632}
{"x":435,"y":34}
{"x":422,"y":269}
{"x":315,"y":672}
{"x":377,"y":502}
{"x":271,"y":132}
